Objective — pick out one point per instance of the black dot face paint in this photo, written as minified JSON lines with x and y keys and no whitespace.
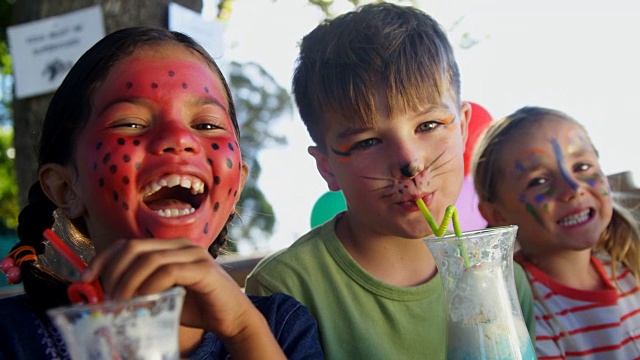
{"x":121,"y":161}
{"x":105,"y":158}
{"x":113,"y":161}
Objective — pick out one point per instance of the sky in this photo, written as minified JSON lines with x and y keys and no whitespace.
{"x":579,"y":57}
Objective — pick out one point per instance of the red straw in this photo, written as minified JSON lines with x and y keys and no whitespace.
{"x":65,"y":250}
{"x":78,"y":292}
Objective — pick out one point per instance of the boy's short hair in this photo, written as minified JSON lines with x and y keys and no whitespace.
{"x":344,"y":62}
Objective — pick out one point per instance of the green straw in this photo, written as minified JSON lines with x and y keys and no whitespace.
{"x":449,"y":214}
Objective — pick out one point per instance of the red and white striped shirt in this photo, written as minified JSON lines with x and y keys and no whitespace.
{"x":578,"y":324}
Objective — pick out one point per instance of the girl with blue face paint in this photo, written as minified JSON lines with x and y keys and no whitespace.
{"x":538,"y":169}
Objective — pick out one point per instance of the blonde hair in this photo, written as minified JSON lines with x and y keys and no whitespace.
{"x":621,"y":238}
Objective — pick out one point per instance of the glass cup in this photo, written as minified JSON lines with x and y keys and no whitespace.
{"x":484,"y":316}
{"x":144,"y":327}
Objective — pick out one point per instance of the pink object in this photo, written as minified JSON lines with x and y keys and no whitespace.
{"x":467,"y":206}
{"x":467,"y":203}
{"x":6,"y":264}
{"x":13,"y":275}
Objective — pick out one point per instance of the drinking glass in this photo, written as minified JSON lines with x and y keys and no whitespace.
{"x":144,"y":327}
{"x":484,"y":316}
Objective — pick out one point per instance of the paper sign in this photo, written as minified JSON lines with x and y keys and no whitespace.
{"x":43,"y":51}
{"x":207,"y":33}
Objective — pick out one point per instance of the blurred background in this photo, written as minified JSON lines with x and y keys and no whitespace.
{"x":575,"y":56}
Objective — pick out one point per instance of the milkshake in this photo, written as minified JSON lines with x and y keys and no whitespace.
{"x":484,"y":316}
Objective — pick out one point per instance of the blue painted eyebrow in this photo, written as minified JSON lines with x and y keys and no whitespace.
{"x":563,"y":170}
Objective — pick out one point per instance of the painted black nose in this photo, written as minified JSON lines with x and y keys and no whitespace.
{"x":408,"y":170}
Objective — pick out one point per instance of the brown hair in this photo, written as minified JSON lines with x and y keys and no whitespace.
{"x":621,"y":238}
{"x":345,"y":62}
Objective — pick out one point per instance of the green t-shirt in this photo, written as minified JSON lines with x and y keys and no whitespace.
{"x":359,"y":316}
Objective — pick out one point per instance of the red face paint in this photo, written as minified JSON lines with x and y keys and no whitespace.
{"x":159,"y":156}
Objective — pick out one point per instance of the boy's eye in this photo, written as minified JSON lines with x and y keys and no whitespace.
{"x":364,"y":144}
{"x":428,"y":126}
{"x":536,"y":182}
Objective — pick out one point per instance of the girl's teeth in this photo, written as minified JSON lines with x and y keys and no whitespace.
{"x":575,"y":219}
{"x":171,"y":213}
{"x":188,"y":182}
{"x":173,"y":180}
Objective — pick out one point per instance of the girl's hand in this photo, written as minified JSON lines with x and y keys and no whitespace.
{"x":213,"y":300}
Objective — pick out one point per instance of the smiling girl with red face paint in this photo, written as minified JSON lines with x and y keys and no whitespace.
{"x":159,"y":151}
{"x":538,"y":169}
{"x":140,"y":154}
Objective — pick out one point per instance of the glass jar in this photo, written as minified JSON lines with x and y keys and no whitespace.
{"x":484,"y":316}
